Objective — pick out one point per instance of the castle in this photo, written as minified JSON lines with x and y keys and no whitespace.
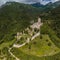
{"x":37,"y":24}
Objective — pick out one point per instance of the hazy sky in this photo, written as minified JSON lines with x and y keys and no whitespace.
{"x":28,"y":1}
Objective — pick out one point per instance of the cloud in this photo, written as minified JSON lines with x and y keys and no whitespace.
{"x":28,"y":1}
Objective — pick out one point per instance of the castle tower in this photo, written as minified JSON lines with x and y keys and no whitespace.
{"x":39,"y":20}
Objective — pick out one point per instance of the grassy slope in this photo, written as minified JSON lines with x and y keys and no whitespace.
{"x":39,"y":47}
{"x":24,"y":56}
{"x":45,"y":29}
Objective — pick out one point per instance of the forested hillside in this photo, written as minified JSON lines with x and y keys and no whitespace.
{"x":15,"y":17}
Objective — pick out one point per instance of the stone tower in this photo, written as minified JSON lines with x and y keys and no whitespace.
{"x":39,"y":20}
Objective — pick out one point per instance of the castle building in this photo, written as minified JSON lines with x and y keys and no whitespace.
{"x":37,"y":24}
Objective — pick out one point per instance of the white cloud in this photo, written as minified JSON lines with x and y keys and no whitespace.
{"x":27,"y":1}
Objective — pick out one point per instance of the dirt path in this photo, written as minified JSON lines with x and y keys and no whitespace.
{"x":18,"y":46}
{"x":12,"y":54}
{"x":37,"y":34}
{"x":27,"y":41}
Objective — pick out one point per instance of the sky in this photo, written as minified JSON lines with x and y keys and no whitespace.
{"x":29,"y":1}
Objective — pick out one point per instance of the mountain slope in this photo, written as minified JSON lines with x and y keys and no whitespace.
{"x":37,"y":4}
{"x":48,"y":6}
{"x":15,"y":17}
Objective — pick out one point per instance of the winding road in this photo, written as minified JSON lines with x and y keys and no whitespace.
{"x":13,"y":54}
{"x":18,"y":46}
